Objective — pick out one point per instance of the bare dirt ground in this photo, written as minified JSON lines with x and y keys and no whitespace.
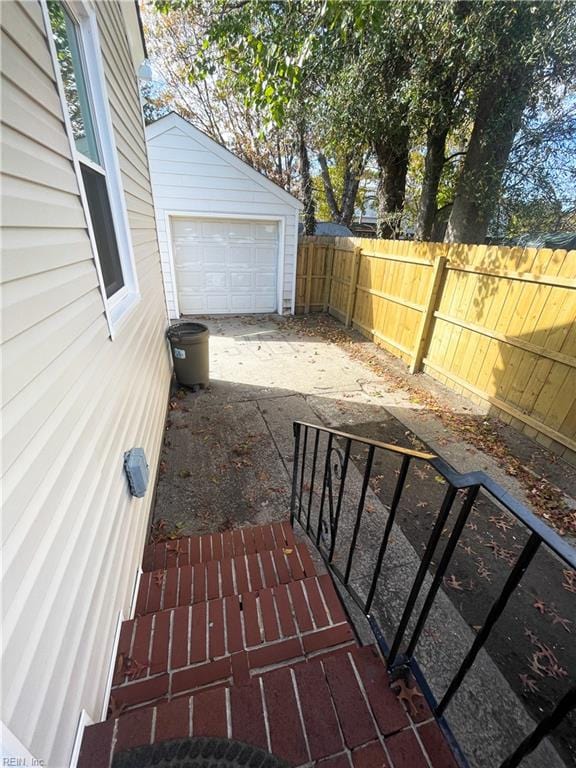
{"x":227,"y":462}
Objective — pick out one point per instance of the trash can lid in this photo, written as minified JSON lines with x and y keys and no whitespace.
{"x":186,"y":329}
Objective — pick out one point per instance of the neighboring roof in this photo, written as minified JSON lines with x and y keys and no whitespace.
{"x":328,"y":229}
{"x":174,"y":120}
{"x":559,"y":240}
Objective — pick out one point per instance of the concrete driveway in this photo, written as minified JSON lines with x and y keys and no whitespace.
{"x":227,"y":452}
{"x":263,"y":376}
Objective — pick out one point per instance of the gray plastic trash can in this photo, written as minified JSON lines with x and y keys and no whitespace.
{"x":189,"y":344}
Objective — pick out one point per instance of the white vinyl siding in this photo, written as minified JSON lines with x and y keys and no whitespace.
{"x":73,"y":400}
{"x":192,"y":173}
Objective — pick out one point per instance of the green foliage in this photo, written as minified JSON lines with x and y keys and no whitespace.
{"x":364,"y":75}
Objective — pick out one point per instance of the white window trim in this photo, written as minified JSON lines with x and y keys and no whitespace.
{"x":118,"y":306}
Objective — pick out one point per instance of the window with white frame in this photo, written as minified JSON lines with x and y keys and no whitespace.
{"x":77,"y":54}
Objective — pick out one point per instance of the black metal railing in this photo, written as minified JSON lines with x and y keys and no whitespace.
{"x":322,"y":458}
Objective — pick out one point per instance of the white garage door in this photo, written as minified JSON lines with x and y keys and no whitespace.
{"x":225,"y":265}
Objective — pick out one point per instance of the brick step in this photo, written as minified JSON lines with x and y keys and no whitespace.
{"x":190,"y":584}
{"x":165,"y":654}
{"x":334,"y":711}
{"x":190,"y":550}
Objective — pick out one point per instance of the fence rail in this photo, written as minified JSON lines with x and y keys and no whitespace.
{"x":321,"y":505}
{"x":496,"y":324}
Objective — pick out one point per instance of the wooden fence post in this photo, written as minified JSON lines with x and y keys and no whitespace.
{"x":432,"y":301}
{"x":352,"y":287}
{"x":309,"y":252}
{"x":328,"y":276}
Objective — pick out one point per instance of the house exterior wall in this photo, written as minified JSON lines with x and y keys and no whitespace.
{"x":73,"y":399}
{"x":188,"y":176}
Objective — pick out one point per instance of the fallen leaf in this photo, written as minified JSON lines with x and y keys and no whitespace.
{"x":407,"y":693}
{"x":528,"y":684}
{"x":540,"y":606}
{"x":453,"y":582}
{"x":115,"y":708}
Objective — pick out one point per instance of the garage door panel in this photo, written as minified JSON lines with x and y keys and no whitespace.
{"x":182,"y":258}
{"x":226,"y":229}
{"x":191,"y":280}
{"x":211,"y":254}
{"x":225,"y":265}
{"x":241,"y":257}
{"x":216,"y":303}
{"x":262,"y":305}
{"x":214,"y":280}
{"x":192,"y":305}
{"x":261,"y":230}
{"x":265,"y":257}
{"x":265,"y":280}
{"x":241,"y":280}
{"x":189,"y":229}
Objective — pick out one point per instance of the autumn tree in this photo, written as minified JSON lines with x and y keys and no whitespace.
{"x":213,"y":102}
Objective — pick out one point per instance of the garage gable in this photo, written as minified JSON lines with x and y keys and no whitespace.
{"x":177,"y":137}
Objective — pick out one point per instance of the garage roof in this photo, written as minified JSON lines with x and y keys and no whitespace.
{"x":174,"y":120}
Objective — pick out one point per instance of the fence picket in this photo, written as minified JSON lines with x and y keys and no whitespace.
{"x":353,"y":285}
{"x":426,"y":322}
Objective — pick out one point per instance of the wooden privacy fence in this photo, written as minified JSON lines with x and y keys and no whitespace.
{"x":496,"y":324}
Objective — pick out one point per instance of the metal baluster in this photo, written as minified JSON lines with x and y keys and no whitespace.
{"x":421,"y":573}
{"x":442,"y":566}
{"x":314,"y":457}
{"x":322,"y":498}
{"x":296,"y":428}
{"x":498,"y":606}
{"x":566,"y":704}
{"x":340,"y":495}
{"x":387,"y":530}
{"x":365,"y":481}
{"x":302,"y":474}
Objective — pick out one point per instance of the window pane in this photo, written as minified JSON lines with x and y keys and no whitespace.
{"x":71,"y":69}
{"x":101,"y":217}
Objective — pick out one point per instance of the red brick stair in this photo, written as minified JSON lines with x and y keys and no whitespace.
{"x":190,"y":550}
{"x":222,"y":640}
{"x":187,"y":584}
{"x":263,"y":653}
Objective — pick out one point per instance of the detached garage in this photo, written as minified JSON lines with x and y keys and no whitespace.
{"x":228,"y":235}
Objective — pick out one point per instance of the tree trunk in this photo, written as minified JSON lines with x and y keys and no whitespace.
{"x":349,"y":200}
{"x":392,"y":157}
{"x":329,"y":189}
{"x":309,"y":214}
{"x":433,"y":165}
{"x":497,"y":120}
